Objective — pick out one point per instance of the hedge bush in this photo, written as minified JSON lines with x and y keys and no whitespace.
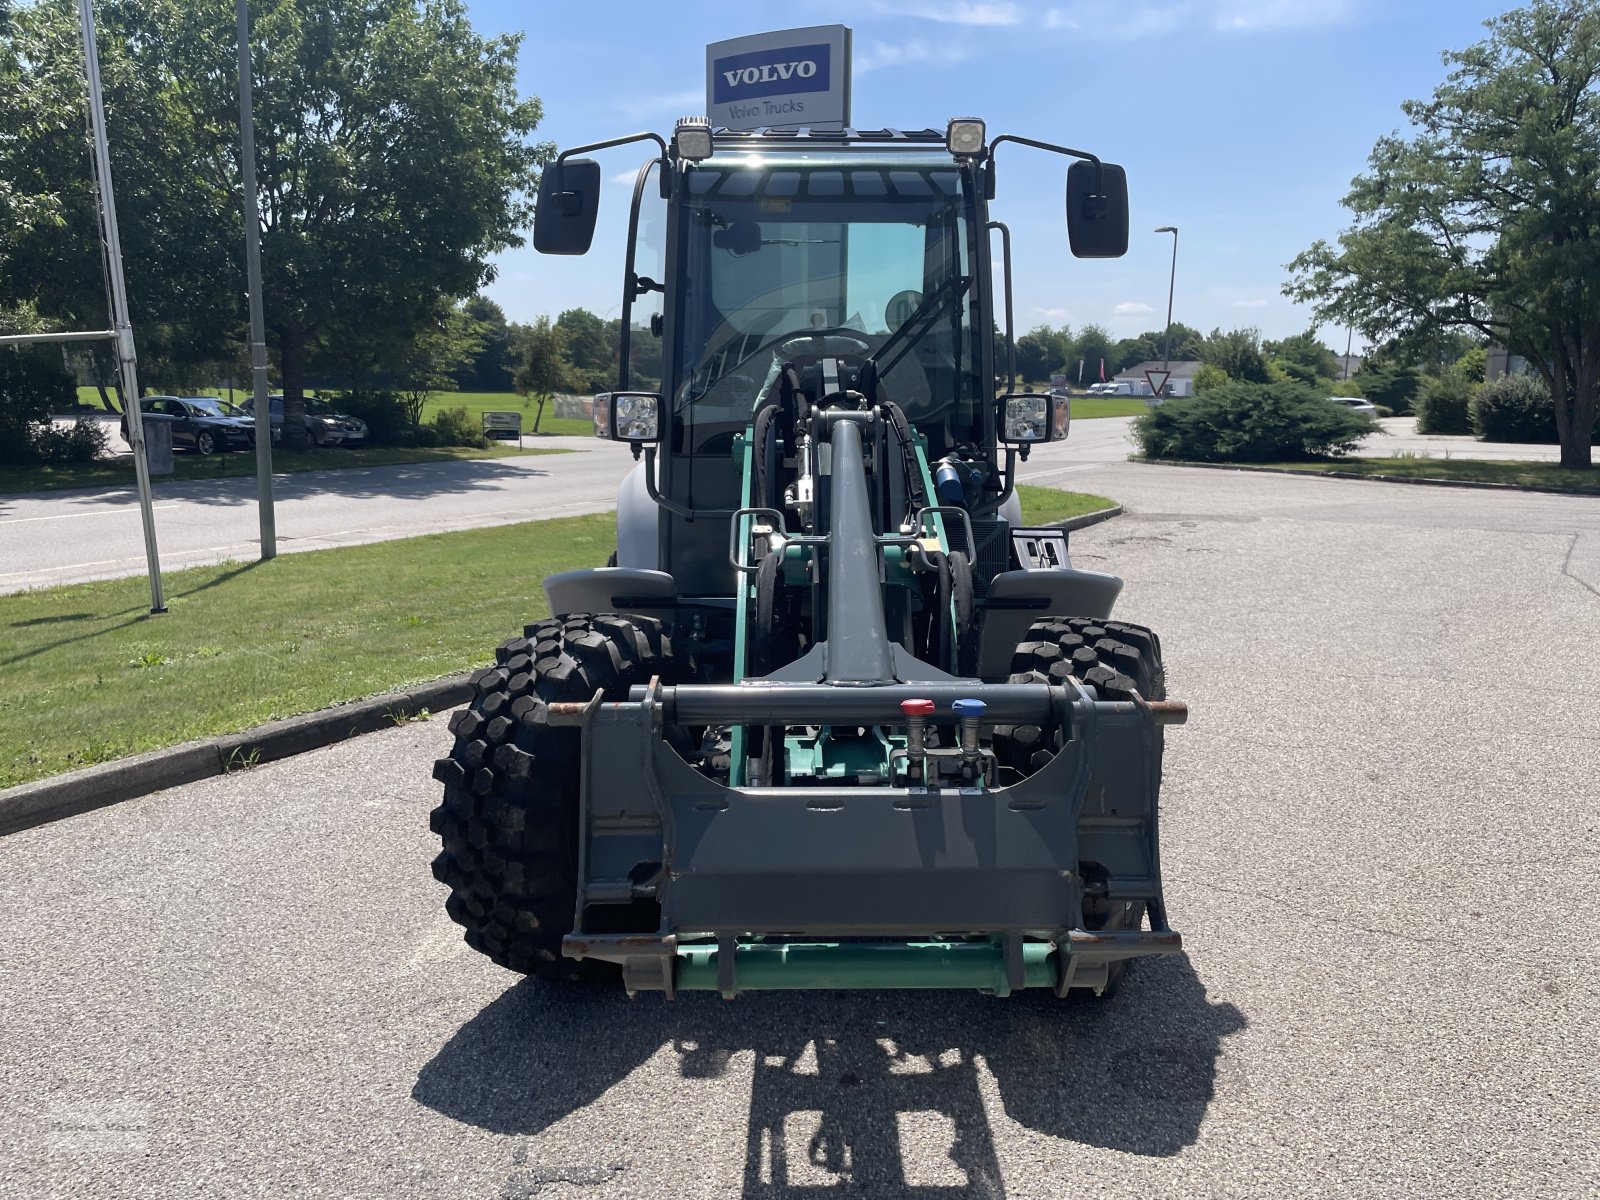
{"x":1515,"y":408}
{"x":81,"y":442}
{"x":1250,"y":422}
{"x":1444,"y":404}
{"x":455,"y":427}
{"x":383,"y":411}
{"x":32,"y":386}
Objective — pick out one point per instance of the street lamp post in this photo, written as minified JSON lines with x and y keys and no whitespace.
{"x":1166,"y":354}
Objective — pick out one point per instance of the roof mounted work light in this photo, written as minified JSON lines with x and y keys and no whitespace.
{"x":963,"y":137}
{"x":691,"y":137}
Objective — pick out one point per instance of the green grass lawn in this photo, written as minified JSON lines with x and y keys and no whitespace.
{"x":118,"y":472}
{"x":91,"y":676}
{"x":477,"y":403}
{"x":1522,"y":474}
{"x":1044,"y":505}
{"x":1087,"y":408}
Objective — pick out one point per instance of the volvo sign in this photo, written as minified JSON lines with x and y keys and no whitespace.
{"x":790,"y":78}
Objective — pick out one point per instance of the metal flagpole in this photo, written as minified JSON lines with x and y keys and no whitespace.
{"x":252,"y":254}
{"x":121,"y":326}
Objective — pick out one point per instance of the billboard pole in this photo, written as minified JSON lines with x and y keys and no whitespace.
{"x":121,"y":326}
{"x":252,"y":255}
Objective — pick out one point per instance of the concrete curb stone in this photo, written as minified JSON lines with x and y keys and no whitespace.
{"x":1480,"y":484}
{"x":103,"y":784}
{"x":31,"y":804}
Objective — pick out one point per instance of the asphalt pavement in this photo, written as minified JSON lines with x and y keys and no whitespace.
{"x":67,"y":537}
{"x":1380,"y":833}
{"x":71,"y":536}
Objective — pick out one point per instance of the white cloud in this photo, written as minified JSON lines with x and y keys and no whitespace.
{"x":951,"y":12}
{"x":624,"y":176}
{"x":908,"y":54}
{"x":1132,"y":308}
{"x":1110,"y":21}
{"x":1252,"y":302}
{"x":1052,"y":314}
{"x":1134,"y":20}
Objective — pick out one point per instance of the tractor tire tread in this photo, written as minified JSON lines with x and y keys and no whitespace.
{"x":507,"y":823}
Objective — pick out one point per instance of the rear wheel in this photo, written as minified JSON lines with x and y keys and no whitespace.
{"x":508,"y":824}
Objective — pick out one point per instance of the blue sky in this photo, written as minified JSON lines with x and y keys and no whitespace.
{"x":1239,"y":121}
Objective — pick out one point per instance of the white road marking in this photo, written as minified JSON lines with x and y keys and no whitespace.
{"x":1060,"y":471}
{"x":109,"y":512}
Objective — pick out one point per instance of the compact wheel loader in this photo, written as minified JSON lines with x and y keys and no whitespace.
{"x":833,"y":718}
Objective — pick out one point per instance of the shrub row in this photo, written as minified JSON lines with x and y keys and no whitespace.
{"x":1249,"y":422}
{"x":388,"y":425}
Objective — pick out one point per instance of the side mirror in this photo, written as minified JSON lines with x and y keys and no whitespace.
{"x":1097,"y":210}
{"x":1027,"y":418}
{"x":569,"y":201}
{"x":635,"y":416}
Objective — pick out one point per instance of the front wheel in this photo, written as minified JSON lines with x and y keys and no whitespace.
{"x":1118,"y":660}
{"x":205,"y":442}
{"x":509,"y":822}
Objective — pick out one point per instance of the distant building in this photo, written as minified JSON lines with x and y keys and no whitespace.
{"x":1349,"y":364}
{"x":1180,"y":382}
{"x":1501,"y":362}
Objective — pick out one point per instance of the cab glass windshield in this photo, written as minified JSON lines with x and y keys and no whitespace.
{"x":825,"y":265}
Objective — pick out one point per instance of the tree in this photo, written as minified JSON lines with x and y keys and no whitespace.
{"x":591,"y":346}
{"x":437,"y":351}
{"x":545,"y":368}
{"x":181,"y":240}
{"x":393,"y":162}
{"x":1485,"y":218}
{"x":490,"y":367}
{"x":1092,"y":347}
{"x":1304,"y":358}
{"x":1237,"y":354}
{"x":1042,"y":352}
{"x":1152,"y":346}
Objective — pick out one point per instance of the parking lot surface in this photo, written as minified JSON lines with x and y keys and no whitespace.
{"x":1380,"y":836}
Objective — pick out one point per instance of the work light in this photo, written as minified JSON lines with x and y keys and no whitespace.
{"x":963,"y":137}
{"x":692,"y":137}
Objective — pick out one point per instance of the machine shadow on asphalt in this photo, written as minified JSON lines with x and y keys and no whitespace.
{"x":1134,"y":1073}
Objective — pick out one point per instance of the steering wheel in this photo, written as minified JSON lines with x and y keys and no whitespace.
{"x":834,"y":341}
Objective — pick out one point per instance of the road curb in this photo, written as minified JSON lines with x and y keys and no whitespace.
{"x":1086,"y":519}
{"x":31,"y":804}
{"x":108,"y":783}
{"x":1479,"y":484}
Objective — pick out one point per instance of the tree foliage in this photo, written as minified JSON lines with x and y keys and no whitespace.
{"x":437,"y":351}
{"x":545,"y":367}
{"x":1487,"y":218}
{"x":392,"y":159}
{"x":1304,"y":358}
{"x":1237,"y":354}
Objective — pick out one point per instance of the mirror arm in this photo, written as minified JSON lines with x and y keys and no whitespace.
{"x":666,"y":161}
{"x":1011,"y":339}
{"x":988,"y":179}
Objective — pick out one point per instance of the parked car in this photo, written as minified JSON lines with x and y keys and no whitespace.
{"x":1102,"y":389}
{"x":204,"y":424}
{"x":1356,"y":403}
{"x":325,"y":425}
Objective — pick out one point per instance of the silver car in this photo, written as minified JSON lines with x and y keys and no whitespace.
{"x":1355,"y":404}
